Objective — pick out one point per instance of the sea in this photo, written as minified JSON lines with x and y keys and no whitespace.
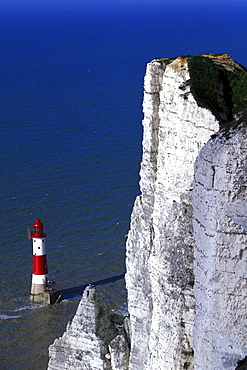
{"x":71,"y":90}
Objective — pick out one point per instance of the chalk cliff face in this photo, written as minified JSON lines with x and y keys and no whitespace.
{"x":164,"y":240}
{"x":220,"y":226}
{"x":160,"y":243}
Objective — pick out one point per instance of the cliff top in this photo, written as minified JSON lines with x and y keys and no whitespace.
{"x":226,"y":61}
{"x":217,"y":83}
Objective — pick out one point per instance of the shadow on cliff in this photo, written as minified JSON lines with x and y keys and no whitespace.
{"x":78,"y":290}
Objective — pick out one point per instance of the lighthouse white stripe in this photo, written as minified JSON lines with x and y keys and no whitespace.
{"x":39,"y":246}
{"x":39,"y":279}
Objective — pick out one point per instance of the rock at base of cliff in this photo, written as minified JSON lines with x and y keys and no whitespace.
{"x":119,"y":351}
{"x":84,"y":345}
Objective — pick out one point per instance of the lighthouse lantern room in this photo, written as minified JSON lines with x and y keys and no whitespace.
{"x":41,"y":287}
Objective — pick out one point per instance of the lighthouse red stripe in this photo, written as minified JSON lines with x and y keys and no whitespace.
{"x":40,"y":265}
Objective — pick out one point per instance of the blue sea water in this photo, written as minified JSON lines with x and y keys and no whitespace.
{"x":70,"y":144}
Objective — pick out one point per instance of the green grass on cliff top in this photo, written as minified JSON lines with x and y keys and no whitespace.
{"x":220,"y":89}
{"x":218,"y":84}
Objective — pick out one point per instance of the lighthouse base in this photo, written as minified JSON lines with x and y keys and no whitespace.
{"x":48,"y":297}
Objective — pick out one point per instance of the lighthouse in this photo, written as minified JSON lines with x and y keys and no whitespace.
{"x":40,"y":269}
{"x":41,"y":288}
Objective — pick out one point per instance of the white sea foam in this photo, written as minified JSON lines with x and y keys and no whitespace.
{"x":24,"y":308}
{"x":24,"y":305}
{"x":6,"y":317}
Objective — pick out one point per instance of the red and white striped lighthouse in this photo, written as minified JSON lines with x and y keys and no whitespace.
{"x":40,"y":269}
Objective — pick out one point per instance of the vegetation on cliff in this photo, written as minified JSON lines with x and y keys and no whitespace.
{"x":219,"y":84}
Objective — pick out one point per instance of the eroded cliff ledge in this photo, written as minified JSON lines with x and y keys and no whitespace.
{"x":186,"y":248}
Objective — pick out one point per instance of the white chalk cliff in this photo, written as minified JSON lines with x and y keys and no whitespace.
{"x":160,"y":243}
{"x":220,"y":227}
{"x":186,"y":248}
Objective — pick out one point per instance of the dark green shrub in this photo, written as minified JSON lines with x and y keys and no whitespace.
{"x":216,"y":88}
{"x":239,"y":93}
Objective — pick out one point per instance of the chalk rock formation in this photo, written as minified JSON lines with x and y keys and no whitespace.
{"x":84,"y":345}
{"x":119,"y":350}
{"x":160,"y":242}
{"x":220,"y":226}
